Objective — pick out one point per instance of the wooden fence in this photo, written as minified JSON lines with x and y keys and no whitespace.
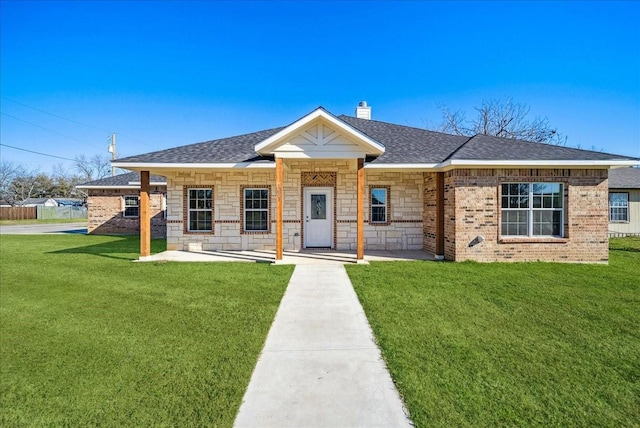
{"x":18,"y":213}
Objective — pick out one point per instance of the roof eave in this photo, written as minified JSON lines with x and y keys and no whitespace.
{"x":155,"y":166}
{"x":598,"y":164}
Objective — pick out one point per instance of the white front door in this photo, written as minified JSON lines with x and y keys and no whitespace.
{"x":318,"y":217}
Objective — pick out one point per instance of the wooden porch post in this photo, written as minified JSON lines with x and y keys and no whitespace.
{"x":360,"y":210}
{"x":145,"y":219}
{"x":279,"y":204}
{"x":440,"y":213}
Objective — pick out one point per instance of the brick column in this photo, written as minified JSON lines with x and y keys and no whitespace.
{"x":145,"y":218}
{"x":279,"y":204}
{"x":360,"y":210}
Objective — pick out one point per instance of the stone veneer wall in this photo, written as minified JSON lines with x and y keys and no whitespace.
{"x":472,"y":208}
{"x":404,"y":230}
{"x":106,"y":208}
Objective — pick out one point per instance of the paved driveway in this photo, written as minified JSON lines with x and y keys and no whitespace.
{"x":37,"y":229}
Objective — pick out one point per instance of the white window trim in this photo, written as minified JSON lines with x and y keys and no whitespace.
{"x":625,"y":207}
{"x":385,"y":205}
{"x":531,"y":210}
{"x":125,"y":206}
{"x":246,"y":210}
{"x":190,"y":210}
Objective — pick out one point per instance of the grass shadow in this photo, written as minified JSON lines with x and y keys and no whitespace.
{"x":118,"y":247}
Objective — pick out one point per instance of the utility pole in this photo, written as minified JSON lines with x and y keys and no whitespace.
{"x":112,"y":149}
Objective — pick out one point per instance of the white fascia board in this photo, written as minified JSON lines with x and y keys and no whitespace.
{"x":399,"y":166}
{"x":536,"y":163}
{"x":143,"y":166}
{"x":319,"y":112}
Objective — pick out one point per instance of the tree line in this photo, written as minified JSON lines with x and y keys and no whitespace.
{"x":18,"y":183}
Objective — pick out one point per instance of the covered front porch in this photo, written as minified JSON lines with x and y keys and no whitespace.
{"x":307,"y":192}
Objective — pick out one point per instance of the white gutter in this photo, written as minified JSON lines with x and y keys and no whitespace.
{"x":537,"y":163}
{"x":146,"y":165}
{"x":401,"y":166}
{"x":387,"y":166}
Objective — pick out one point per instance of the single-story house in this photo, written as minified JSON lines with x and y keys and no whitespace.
{"x":355,"y":184}
{"x":38,"y":202}
{"x":624,"y":201}
{"x":113,"y":205}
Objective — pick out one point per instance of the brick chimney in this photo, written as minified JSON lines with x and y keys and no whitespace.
{"x":363,"y":111}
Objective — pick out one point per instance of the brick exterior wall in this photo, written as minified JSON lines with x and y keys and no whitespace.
{"x":106,"y":212}
{"x":403,"y":231}
{"x":430,"y":201}
{"x":472,"y":208}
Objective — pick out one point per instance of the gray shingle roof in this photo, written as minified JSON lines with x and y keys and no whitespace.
{"x":486,"y":147}
{"x":226,"y":150}
{"x":122,"y":180}
{"x":403,"y":144}
{"x":624,"y":178}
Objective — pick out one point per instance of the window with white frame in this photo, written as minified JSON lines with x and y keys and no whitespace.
{"x":131,"y":206}
{"x":532,"y":209}
{"x":200,"y":210}
{"x":256,"y":210}
{"x":378,"y":201}
{"x":619,"y":207}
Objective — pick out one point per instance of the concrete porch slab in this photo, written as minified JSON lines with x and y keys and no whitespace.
{"x":305,"y":257}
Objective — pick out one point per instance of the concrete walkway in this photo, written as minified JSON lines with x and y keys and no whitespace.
{"x":320,"y":366}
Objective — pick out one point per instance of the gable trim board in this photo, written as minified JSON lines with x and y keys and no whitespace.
{"x":464,"y":207}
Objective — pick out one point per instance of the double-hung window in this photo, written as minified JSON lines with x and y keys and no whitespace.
{"x":200,"y":210}
{"x":532,"y":209}
{"x":379,"y":207}
{"x":131,"y":206}
{"x":256,"y":210}
{"x":618,"y":207}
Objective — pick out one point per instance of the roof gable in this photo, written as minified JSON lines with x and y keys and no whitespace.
{"x":319,"y":135}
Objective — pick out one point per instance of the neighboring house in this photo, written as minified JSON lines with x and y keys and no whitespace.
{"x":355,"y":184}
{"x":38,"y":202}
{"x":624,"y":201}
{"x":113,"y":205}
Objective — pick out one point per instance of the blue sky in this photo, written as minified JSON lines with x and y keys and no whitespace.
{"x":163,"y":74}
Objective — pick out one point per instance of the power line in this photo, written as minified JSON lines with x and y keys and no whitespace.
{"x":56,"y":115}
{"x":66,"y":118}
{"x":39,"y":153}
{"x":46,"y":129}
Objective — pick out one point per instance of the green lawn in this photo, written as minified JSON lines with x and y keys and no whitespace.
{"x":523,"y":344}
{"x":90,"y":338}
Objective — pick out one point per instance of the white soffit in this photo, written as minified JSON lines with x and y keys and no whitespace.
{"x":319,"y":134}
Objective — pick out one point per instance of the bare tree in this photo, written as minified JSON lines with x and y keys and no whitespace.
{"x":9,"y":171}
{"x":501,"y":118}
{"x":18,"y":184}
{"x":65,"y":182}
{"x":93,"y":168}
{"x":27,"y":185}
